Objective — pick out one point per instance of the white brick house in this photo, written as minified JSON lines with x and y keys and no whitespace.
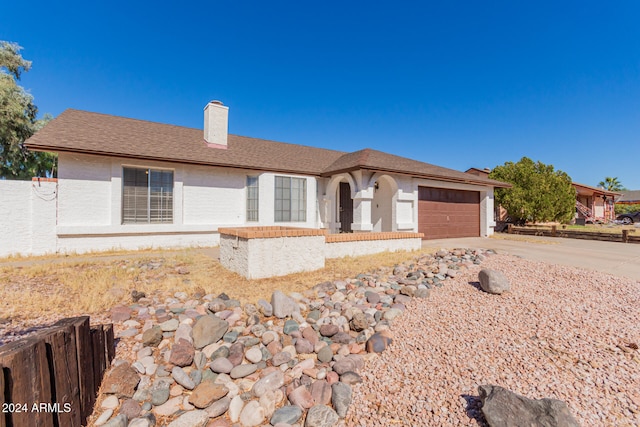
{"x":125,"y":183}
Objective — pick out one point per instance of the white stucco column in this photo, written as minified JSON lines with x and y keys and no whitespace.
{"x":324,"y":206}
{"x":487,"y":221}
{"x":362,"y":210}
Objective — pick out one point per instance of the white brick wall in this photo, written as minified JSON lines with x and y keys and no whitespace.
{"x":89,"y":208}
{"x":367,"y":247}
{"x":27,"y":217}
{"x":259,"y":258}
{"x":89,"y":216}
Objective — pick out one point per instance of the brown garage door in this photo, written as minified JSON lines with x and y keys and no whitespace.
{"x":444,"y":213}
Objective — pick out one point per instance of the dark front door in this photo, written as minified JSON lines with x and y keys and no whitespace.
{"x":346,"y":208}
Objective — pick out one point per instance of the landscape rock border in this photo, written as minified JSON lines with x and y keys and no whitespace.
{"x":290,"y":361}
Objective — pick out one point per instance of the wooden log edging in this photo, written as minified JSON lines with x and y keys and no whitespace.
{"x":51,"y":378}
{"x":625,"y":237}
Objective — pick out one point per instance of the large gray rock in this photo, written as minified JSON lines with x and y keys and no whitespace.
{"x":242,"y":371}
{"x":152,"y":337}
{"x":287,"y":415}
{"x":207,"y":330}
{"x":282,"y":305}
{"x":321,"y":416}
{"x":182,"y":378}
{"x":221,"y":365}
{"x":265,"y":308}
{"x":503,"y":408}
{"x":493,"y":281}
{"x":341,"y":398}
{"x":119,"y":421}
{"x":160,"y":392}
{"x":352,"y":362}
{"x":219,"y":407}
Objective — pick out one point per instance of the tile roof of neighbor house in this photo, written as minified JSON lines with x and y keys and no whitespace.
{"x":78,"y":131}
{"x":629,"y":196}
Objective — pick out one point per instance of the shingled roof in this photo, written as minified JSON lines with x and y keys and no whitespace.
{"x":93,"y":133}
{"x":587,"y":189}
{"x":380,"y":161}
{"x":629,"y":196}
{"x":78,"y":131}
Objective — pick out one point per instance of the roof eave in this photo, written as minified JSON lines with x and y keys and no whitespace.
{"x":495,"y":184}
{"x":169,"y":160}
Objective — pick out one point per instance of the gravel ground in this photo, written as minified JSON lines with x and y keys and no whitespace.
{"x":561,"y":332}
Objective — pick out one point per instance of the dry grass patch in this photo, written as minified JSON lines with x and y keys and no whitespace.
{"x":85,"y":255}
{"x":73,"y":288}
{"x":522,"y":238}
{"x":599,"y":228}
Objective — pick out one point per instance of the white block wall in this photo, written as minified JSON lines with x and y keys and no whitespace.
{"x":89,"y":207}
{"x":27,"y":218}
{"x":205,"y":198}
{"x":278,"y":256}
{"x":367,"y":247}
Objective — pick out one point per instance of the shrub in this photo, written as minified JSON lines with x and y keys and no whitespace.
{"x":623,"y":209}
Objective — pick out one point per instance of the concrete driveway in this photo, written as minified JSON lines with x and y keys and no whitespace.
{"x":620,"y":259}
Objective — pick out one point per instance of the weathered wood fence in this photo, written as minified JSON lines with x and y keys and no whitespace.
{"x":626,"y":236}
{"x":52,"y":377}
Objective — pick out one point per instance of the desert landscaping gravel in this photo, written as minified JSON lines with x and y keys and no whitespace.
{"x":561,"y":332}
{"x":323,"y":357}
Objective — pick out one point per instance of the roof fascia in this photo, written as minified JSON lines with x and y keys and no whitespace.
{"x":413,"y":175}
{"x":182,"y":162}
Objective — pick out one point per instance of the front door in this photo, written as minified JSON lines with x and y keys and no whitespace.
{"x":345,"y":208}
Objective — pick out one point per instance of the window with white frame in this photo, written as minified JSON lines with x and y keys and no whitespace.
{"x":252,"y":198}
{"x":147,"y":196}
{"x":290,"y":199}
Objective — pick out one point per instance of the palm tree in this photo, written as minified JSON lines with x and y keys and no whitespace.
{"x":611,"y":184}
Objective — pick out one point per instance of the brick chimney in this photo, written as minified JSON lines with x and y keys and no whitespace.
{"x":216,"y":124}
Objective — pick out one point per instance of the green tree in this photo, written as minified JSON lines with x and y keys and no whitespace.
{"x":18,"y":121}
{"x":611,"y":184}
{"x":539,"y":192}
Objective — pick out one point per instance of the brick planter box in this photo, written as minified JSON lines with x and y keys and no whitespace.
{"x":260,"y":252}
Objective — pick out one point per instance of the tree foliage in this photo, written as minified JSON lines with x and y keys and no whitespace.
{"x":624,"y":209}
{"x":611,"y":184}
{"x":539,"y":192}
{"x":18,"y":120}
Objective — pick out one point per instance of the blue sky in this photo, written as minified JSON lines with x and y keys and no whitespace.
{"x":459,"y":84}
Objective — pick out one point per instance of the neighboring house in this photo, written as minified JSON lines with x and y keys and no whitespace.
{"x":628,"y":198}
{"x":593,"y":204}
{"x":125,"y":183}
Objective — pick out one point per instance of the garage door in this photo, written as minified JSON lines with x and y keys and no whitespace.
{"x":444,"y":213}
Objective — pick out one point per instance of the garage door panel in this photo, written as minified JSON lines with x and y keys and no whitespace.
{"x":445,"y":213}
